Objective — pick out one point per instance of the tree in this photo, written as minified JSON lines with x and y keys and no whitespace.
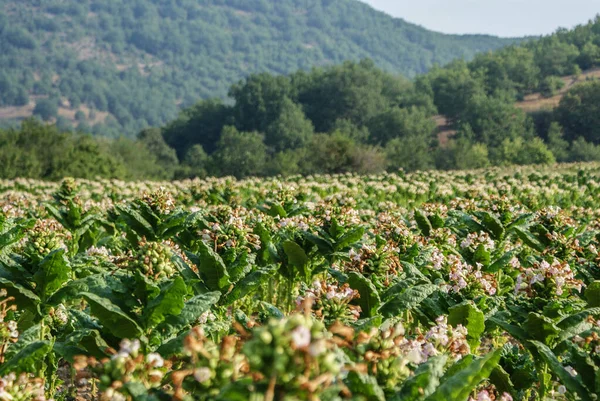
{"x":258,"y":100}
{"x":353,"y":91}
{"x":290,"y":130}
{"x":46,"y":109}
{"x":400,"y":123}
{"x":579,"y":112}
{"x":454,"y":88}
{"x":194,"y":163}
{"x":412,"y":152}
{"x":557,"y":144}
{"x":200,"y":124}
{"x":239,"y":154}
{"x":494,"y":119}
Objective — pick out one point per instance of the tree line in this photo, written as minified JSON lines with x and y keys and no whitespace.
{"x":355,"y":117}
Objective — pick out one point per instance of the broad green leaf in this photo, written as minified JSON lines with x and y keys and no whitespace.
{"x":24,"y":298}
{"x":53,"y":272}
{"x":369,"y":298}
{"x":272,"y":310}
{"x":249,"y":284}
{"x":113,"y":319}
{"x":26,"y":337}
{"x":349,"y":238}
{"x":365,"y":385}
{"x":169,"y":302}
{"x":424,"y":381}
{"x":409,"y":299}
{"x":515,"y":331}
{"x":492,"y":225}
{"x":459,"y":386}
{"x":576,"y":323}
{"x":212,"y":269}
{"x":191,"y":312}
{"x":529,"y":239}
{"x":28,"y":359}
{"x":592,"y":294}
{"x":573,"y":384}
{"x":470,"y":317}
{"x":502,"y":263}
{"x":423,"y":223}
{"x":296,"y":255}
{"x":541,"y":328}
{"x":501,"y":380}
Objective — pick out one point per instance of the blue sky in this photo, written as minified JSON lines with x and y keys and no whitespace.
{"x":496,"y":17}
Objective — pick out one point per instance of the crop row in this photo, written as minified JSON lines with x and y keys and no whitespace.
{"x":478,"y":285}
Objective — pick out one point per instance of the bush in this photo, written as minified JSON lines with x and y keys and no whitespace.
{"x":46,"y":109}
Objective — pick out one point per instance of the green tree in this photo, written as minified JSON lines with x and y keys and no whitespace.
{"x":46,"y":109}
{"x":557,"y":144}
{"x":412,"y":152}
{"x":290,"y":130}
{"x":400,"y":123}
{"x":239,"y":154}
{"x":579,"y":112}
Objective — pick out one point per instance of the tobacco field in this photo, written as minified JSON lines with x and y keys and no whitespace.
{"x":431,"y":286}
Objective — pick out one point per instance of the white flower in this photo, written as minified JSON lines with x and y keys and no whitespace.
{"x":5,"y":396}
{"x":202,"y":374}
{"x":571,"y":371}
{"x":562,"y":389}
{"x":301,"y":337}
{"x":155,"y":360}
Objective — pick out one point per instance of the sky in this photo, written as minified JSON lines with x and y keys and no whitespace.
{"x":508,"y":18}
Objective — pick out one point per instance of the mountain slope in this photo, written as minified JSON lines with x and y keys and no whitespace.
{"x":126,"y":64}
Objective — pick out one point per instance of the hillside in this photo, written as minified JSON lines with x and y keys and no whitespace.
{"x":125,"y":65}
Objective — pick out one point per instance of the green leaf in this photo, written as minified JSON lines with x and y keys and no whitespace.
{"x":191,"y":312}
{"x":470,"y":317}
{"x":515,"y":331}
{"x":28,"y":359}
{"x":459,"y":386}
{"x":423,"y":223}
{"x":541,"y":328}
{"x":592,"y":294}
{"x":296,"y":255}
{"x":24,"y":298}
{"x":349,"y":238}
{"x":53,"y":272}
{"x":502,"y":263}
{"x":573,"y":384}
{"x":113,"y":319}
{"x":365,"y":385}
{"x":424,"y":381}
{"x":169,"y":302}
{"x":576,"y":323}
{"x":212,"y":269}
{"x":369,"y":298}
{"x":249,"y":284}
{"x":27,"y":337}
{"x":492,"y":225}
{"x":502,"y":381}
{"x":528,"y":239}
{"x":409,"y":299}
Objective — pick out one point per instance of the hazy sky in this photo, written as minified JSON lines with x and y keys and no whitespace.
{"x":497,"y":17}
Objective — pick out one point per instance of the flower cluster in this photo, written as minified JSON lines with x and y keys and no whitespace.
{"x":331,"y":302}
{"x":21,"y":388}
{"x":391,"y":354}
{"x":126,"y":370}
{"x":552,"y":278}
{"x":8,"y":328}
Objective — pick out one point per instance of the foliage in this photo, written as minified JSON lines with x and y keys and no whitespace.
{"x":139,"y":61}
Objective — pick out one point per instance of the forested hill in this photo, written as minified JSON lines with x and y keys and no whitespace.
{"x":127,"y":64}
